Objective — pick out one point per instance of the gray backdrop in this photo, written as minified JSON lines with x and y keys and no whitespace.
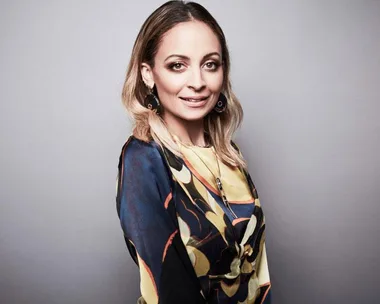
{"x":307,"y":74}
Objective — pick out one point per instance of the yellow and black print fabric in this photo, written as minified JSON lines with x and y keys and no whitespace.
{"x":189,"y":247}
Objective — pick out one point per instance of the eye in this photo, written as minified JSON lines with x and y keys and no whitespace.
{"x":176,"y":66}
{"x":212,"y":65}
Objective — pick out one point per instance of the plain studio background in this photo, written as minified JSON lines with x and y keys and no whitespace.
{"x":308,"y":76}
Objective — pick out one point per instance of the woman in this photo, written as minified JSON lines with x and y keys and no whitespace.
{"x":190,"y":213}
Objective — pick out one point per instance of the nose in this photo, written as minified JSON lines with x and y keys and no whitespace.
{"x":196,"y":81}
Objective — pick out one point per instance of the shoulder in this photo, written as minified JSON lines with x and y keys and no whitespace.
{"x":142,"y":166}
{"x":141,"y":157}
{"x":138,"y":150}
{"x":235,"y":146}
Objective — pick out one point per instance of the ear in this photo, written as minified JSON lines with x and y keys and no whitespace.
{"x":147,"y":74}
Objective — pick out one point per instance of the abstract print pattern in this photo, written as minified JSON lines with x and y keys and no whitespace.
{"x":189,"y":247}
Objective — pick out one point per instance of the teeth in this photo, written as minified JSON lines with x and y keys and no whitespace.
{"x":193,"y":100}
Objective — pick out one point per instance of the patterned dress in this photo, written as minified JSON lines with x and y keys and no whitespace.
{"x":189,"y":247}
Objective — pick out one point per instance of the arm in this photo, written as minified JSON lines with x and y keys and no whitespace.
{"x":147,"y":215}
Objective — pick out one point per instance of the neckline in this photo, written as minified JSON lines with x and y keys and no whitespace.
{"x":189,"y":146}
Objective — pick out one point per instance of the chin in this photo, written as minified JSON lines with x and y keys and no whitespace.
{"x":194,"y":115}
{"x":195,"y":118}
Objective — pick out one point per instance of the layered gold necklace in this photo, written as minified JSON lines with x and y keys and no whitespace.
{"x":218,"y":180}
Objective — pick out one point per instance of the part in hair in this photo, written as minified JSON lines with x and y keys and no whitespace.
{"x":147,"y":125}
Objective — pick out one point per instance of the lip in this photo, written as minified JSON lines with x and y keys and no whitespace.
{"x":199,"y":101}
{"x":197,"y":98}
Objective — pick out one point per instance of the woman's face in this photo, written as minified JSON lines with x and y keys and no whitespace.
{"x":188,"y":72}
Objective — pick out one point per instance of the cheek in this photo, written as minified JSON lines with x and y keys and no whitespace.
{"x":173,"y":83}
{"x":169,"y":83}
{"x":214,"y":81}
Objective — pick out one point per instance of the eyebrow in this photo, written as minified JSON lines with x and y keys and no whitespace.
{"x":187,"y":58}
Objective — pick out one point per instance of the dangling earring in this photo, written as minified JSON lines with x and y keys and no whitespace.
{"x":221,"y":105}
{"x":152,"y":102}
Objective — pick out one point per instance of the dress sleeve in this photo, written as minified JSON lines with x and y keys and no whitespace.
{"x":146,"y":211}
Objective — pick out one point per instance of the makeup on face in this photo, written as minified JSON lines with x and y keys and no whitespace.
{"x":178,"y":63}
{"x":188,"y":71}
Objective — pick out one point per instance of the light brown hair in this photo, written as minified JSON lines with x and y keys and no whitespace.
{"x":147,"y":124}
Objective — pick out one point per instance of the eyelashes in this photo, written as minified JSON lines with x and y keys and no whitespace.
{"x":212,"y":65}
{"x":178,"y":66}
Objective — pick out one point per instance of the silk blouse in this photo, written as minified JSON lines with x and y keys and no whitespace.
{"x":189,"y":247}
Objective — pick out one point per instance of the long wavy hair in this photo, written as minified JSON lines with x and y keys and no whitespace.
{"x":148,"y":125}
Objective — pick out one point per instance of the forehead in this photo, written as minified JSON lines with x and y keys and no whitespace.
{"x":193,"y":39}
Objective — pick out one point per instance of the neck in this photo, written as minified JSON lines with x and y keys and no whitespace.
{"x":188,"y":132}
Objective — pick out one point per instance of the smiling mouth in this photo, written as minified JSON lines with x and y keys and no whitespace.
{"x":194,"y":99}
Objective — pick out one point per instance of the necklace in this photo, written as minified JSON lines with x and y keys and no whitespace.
{"x":194,"y":145}
{"x":189,"y":145}
{"x":218,"y":181}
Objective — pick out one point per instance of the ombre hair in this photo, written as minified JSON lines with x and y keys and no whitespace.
{"x":148,"y":125}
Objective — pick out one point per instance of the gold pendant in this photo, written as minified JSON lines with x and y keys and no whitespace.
{"x":219,"y":184}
